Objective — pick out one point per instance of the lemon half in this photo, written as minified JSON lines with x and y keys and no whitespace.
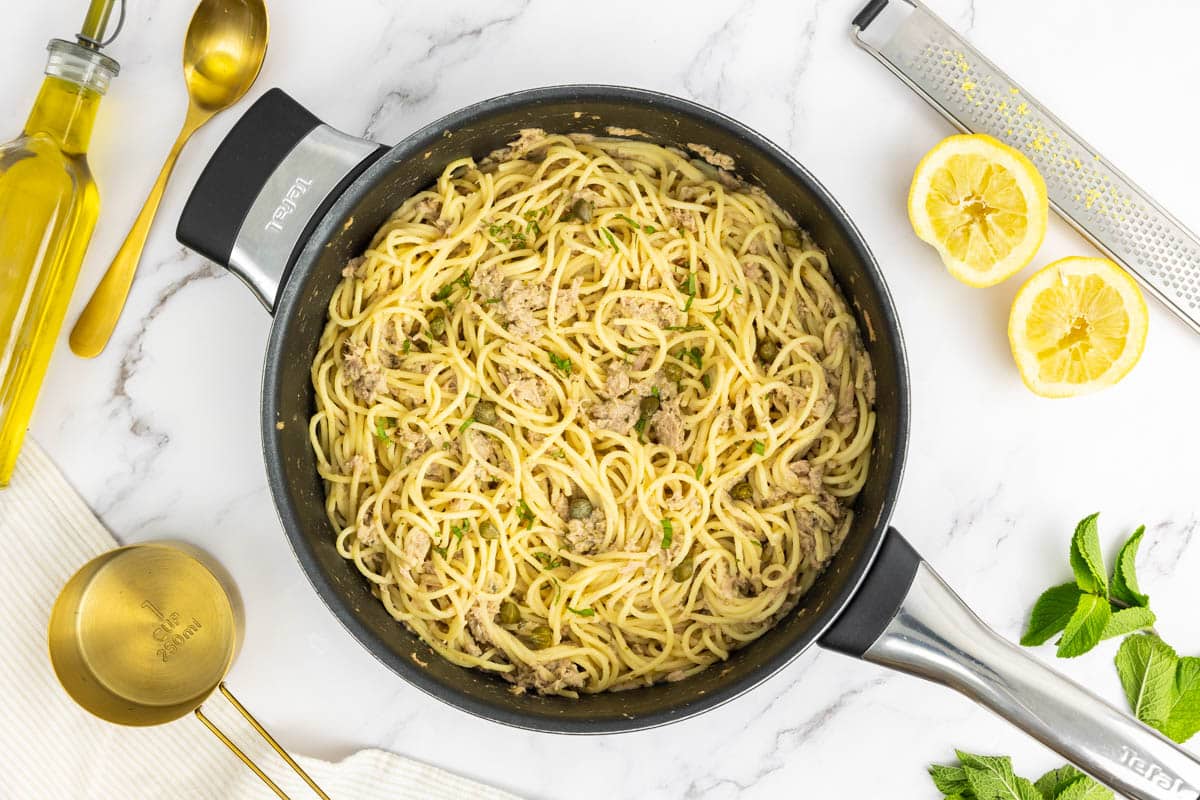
{"x":982,"y":205}
{"x":1076,"y":326}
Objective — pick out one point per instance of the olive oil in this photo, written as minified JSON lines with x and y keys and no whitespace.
{"x":48,"y":208}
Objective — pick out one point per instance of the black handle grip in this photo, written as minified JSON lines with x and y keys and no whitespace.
{"x":868,"y":14}
{"x":877,"y":600}
{"x":237,"y":171}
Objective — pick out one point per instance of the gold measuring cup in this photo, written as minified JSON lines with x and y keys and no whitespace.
{"x":143,"y":635}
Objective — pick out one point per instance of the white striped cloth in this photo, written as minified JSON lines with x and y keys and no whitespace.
{"x":50,"y":749}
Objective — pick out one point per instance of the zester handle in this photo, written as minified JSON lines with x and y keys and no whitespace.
{"x":1092,"y":195}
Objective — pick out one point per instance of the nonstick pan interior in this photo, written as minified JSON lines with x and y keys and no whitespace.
{"x":347,"y":229}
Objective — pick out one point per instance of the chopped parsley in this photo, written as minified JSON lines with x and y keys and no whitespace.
{"x":706,"y":380}
{"x":407,"y":348}
{"x":640,"y":427}
{"x":441,"y":551}
{"x":583,"y":612}
{"x":560,"y":453}
{"x":492,"y":300}
{"x":685,"y":328}
{"x":612,"y":241}
{"x":654,"y":391}
{"x":525,"y":513}
{"x":716,"y":317}
{"x":562,"y":363}
{"x":458,"y":530}
{"x":759,"y":448}
{"x":693,"y":355}
{"x":636,"y":225}
{"x":668,"y":533}
{"x":463,"y":280}
{"x":547,"y":560}
{"x":466,"y":424}
{"x":699,"y":471}
{"x":381,"y":430}
{"x":736,"y":290}
{"x":689,"y":288}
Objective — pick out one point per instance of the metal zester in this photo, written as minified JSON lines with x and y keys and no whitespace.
{"x":1087,"y":191}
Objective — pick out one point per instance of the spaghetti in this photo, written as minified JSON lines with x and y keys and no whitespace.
{"x":591,"y":413}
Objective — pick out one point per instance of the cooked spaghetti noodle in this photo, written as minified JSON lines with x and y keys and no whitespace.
{"x":590,"y":414}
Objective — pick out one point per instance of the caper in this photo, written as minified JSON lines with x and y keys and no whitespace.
{"x":673,"y":371}
{"x":683,"y":570}
{"x":437,"y":324}
{"x":648,"y":407}
{"x":488,"y":530}
{"x":509,"y":613}
{"x":767,"y":350}
{"x":580,"y":508}
{"x":485,"y":412}
{"x":791,"y":237}
{"x":742,"y":491}
{"x":541,"y":637}
{"x":582,"y":210}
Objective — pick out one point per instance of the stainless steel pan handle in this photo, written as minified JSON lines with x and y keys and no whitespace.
{"x":931,"y":633}
{"x":270,"y":180}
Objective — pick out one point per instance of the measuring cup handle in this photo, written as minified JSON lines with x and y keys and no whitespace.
{"x":249,"y":762}
{"x":268,"y":182}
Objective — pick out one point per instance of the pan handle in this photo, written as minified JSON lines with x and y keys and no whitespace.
{"x":269,"y":182}
{"x":905,"y":617}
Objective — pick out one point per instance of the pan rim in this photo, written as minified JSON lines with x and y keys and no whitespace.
{"x":290,"y":297}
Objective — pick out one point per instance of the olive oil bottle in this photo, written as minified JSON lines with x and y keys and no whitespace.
{"x":48,"y":207}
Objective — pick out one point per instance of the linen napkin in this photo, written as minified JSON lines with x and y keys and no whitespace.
{"x":51,"y":748}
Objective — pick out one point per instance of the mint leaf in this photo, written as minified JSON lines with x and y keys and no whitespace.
{"x":1183,"y":719}
{"x":1086,"y":559}
{"x":1086,"y":625}
{"x":1056,"y":780}
{"x":949,"y":780}
{"x":1051,"y":613}
{"x":1124,"y":581}
{"x":1128,"y":620}
{"x":992,"y":778}
{"x":1147,"y":667}
{"x":1084,"y":788}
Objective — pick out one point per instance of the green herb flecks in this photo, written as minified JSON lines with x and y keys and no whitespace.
{"x":466,"y":423}
{"x":692,"y":354}
{"x":458,"y":530}
{"x":689,"y":289}
{"x":699,"y":471}
{"x":612,"y":241}
{"x":381,"y":426}
{"x":635,"y":224}
{"x":583,"y":612}
{"x":685,"y":328}
{"x":547,"y":561}
{"x":759,"y":448}
{"x":668,"y":533}
{"x":561,"y":363}
{"x":525,"y":513}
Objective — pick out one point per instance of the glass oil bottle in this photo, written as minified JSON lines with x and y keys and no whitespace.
{"x":48,"y":207}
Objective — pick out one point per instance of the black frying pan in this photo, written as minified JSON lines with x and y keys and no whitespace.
{"x":286,"y":201}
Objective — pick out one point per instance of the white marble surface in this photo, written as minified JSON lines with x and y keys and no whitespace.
{"x":160,"y":433}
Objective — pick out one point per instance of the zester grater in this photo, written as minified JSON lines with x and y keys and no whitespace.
{"x":1089,"y":193}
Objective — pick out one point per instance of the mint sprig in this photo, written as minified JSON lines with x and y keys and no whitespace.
{"x":978,"y":777}
{"x":1163,"y":688}
{"x":1093,"y":608}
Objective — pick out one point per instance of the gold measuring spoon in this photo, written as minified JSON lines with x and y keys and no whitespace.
{"x":222,"y":54}
{"x":143,"y":635}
